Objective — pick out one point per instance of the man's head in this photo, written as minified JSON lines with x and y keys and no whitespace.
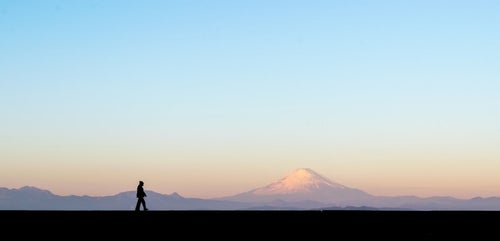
{"x":141,"y":183}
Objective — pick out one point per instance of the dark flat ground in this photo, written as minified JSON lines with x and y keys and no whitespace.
{"x":251,"y":225}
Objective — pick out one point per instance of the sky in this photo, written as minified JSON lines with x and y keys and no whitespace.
{"x":213,"y":98}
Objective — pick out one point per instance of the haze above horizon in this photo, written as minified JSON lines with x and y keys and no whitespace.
{"x":212,"y":98}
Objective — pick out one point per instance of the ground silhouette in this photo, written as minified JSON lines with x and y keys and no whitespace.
{"x":234,"y":225}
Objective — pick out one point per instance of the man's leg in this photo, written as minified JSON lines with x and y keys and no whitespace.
{"x":138,"y":205}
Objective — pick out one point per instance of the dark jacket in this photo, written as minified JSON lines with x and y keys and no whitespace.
{"x":140,"y":192}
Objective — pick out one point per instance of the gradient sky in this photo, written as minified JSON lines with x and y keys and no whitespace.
{"x":214,"y":98}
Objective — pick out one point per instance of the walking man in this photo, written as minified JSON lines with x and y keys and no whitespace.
{"x":140,"y":197}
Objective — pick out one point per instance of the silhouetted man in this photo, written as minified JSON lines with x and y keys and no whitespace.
{"x":140,"y":197}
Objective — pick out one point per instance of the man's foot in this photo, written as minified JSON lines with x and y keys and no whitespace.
{"x":146,"y":209}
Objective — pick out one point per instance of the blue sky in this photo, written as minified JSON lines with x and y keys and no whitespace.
{"x":223,"y":87}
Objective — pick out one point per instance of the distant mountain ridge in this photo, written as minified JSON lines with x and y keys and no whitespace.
{"x":302,"y":189}
{"x":32,"y":198}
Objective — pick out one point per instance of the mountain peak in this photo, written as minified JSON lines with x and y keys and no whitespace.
{"x":304,"y":174}
{"x":301,"y":180}
{"x":304,"y":184}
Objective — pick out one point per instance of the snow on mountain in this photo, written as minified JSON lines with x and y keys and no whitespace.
{"x":302,"y":180}
{"x":304,"y":184}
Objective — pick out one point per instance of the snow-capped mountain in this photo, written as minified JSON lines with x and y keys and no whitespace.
{"x":304,"y":184}
{"x":302,"y":180}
